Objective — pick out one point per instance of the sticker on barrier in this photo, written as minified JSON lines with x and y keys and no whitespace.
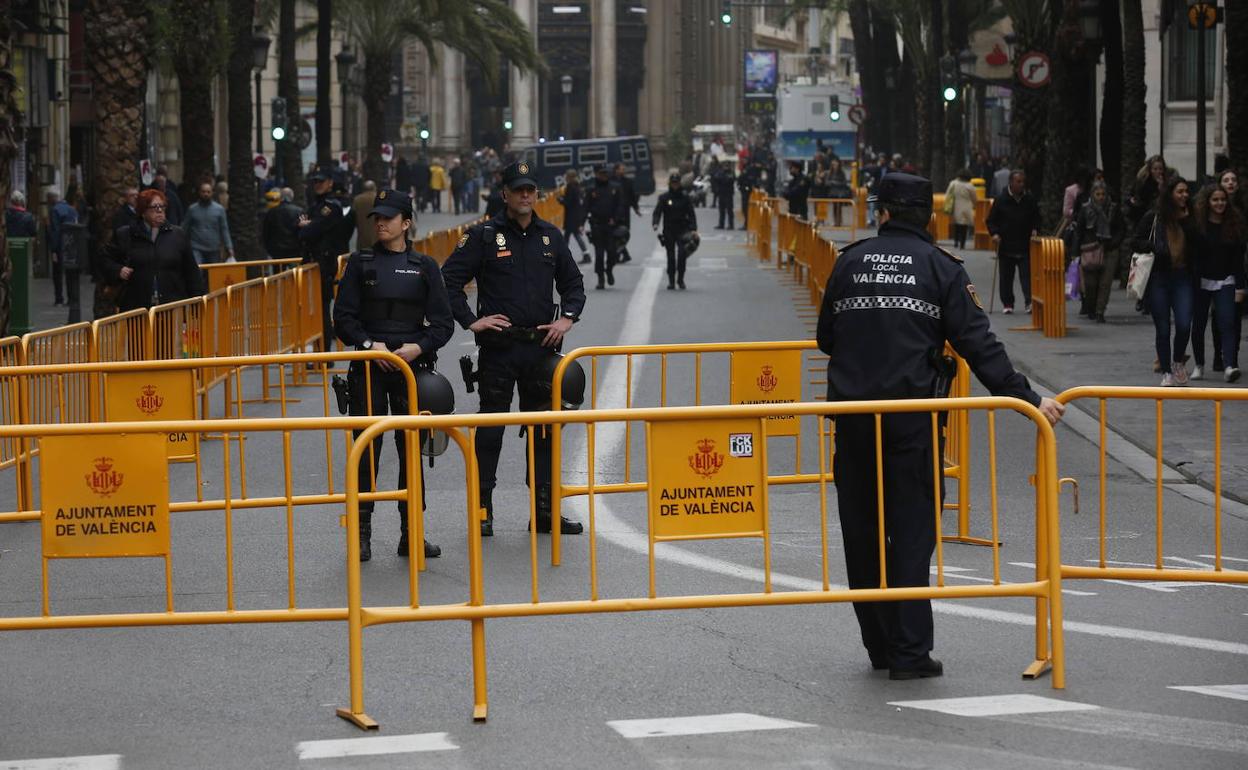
{"x":709,"y":481}
{"x":152,"y":396}
{"x":768,"y":377}
{"x":104,"y":499}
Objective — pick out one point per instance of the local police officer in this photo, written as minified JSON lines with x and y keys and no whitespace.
{"x":607,"y":208}
{"x":890,"y":306}
{"x":391,"y":298}
{"x":321,"y":242}
{"x":516,"y":259}
{"x":676,"y":212}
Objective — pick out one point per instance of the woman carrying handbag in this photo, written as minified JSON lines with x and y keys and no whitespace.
{"x":1100,"y":232}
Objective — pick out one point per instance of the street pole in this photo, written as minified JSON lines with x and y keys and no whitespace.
{"x":343,"y":125}
{"x":259,"y":119}
{"x":1200,"y":101}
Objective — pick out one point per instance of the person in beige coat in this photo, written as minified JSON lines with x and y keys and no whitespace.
{"x":962,"y":209}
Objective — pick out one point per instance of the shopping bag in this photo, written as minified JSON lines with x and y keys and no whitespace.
{"x":1137,"y":279}
{"x":1073,"y":279}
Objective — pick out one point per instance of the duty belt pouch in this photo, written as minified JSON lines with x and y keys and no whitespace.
{"x":946,"y":369}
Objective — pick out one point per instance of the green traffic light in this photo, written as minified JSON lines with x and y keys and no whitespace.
{"x":726,"y":18}
{"x":835,"y":115}
{"x":424,"y":133}
{"x":506,"y":125}
{"x":279,"y":133}
{"x":951,"y":93}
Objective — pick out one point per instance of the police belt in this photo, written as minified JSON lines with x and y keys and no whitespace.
{"x":513,"y":334}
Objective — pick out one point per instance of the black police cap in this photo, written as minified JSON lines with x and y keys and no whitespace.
{"x":901,"y":189}
{"x":518,"y":174}
{"x":389,"y":203}
{"x":318,"y":174}
{"x":674,"y":178}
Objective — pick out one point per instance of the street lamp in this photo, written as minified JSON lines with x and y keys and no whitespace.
{"x":345,"y":61}
{"x":565,"y":86}
{"x":260,"y":57}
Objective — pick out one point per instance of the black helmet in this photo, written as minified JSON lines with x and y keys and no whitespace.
{"x":571,"y":391}
{"x":434,"y":395}
{"x":620,"y":236}
{"x":691,"y":240}
{"x":674,"y":178}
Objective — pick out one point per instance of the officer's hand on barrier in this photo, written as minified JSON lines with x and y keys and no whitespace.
{"x":408,"y":351}
{"x":555,"y":331}
{"x":1052,"y":410}
{"x":125,"y":273}
{"x":494,"y":323}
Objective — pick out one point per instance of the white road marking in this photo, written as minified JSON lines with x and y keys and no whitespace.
{"x":635,"y":329}
{"x":1069,"y":591}
{"x":1134,"y":727}
{"x":374,"y":746}
{"x":700,"y":725}
{"x":1232,"y":691}
{"x":957,"y":574}
{"x":995,"y":705}
{"x":93,"y":762}
{"x":1224,"y":558}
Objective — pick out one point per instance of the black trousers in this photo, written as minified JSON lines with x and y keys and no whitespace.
{"x":1008,"y":265}
{"x":726,"y":210}
{"x":329,"y":272}
{"x":388,"y":391}
{"x":896,"y":633}
{"x":677,"y":255}
{"x":605,"y":256}
{"x":502,"y":369}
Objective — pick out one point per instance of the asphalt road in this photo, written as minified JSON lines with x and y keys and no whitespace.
{"x":760,"y":687}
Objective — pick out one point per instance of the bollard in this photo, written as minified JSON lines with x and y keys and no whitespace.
{"x":20,"y":252}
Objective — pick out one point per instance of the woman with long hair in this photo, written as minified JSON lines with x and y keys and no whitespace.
{"x":1100,"y":231}
{"x":1143,"y":194}
{"x":1172,"y":238}
{"x":1220,"y":273}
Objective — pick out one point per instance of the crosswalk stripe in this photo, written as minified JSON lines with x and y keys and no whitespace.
{"x":92,"y":762}
{"x":994,"y":705}
{"x":367,"y":747}
{"x":700,"y":725}
{"x":1232,"y":691}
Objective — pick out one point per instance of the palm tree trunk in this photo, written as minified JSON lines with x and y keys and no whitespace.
{"x":1237,"y":83}
{"x":324,"y":65}
{"x":1134,"y":91}
{"x":1034,"y":28}
{"x":874,"y":56}
{"x":935,"y":161}
{"x":195,"y":32}
{"x":10,"y":129}
{"x":242,"y":211}
{"x":1112,"y":100}
{"x":377,"y":71}
{"x":1068,"y":120}
{"x":288,"y":88}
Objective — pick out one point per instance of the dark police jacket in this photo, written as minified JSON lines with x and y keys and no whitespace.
{"x":676,"y":211}
{"x":393,"y":298}
{"x":891,"y":301}
{"x":515,"y":271}
{"x":320,"y":237}
{"x":606,"y":205}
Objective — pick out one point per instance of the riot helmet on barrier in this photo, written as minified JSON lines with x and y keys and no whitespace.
{"x":434,"y":395}
{"x":691,"y":240}
{"x":571,"y":390}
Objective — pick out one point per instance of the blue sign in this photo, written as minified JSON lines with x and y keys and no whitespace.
{"x":800,"y":145}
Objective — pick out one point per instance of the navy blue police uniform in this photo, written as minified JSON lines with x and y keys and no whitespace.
{"x":606,"y":208}
{"x":515,"y":269}
{"x":892,"y":303}
{"x":675,"y":210}
{"x":321,"y":245}
{"x":387,"y":299}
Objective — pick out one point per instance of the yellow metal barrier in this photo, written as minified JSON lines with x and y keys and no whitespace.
{"x":1048,"y":287}
{"x":830,"y":214}
{"x":218,"y":275}
{"x":1137,"y":399}
{"x":1045,"y":588}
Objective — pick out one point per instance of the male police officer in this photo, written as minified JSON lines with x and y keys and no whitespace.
{"x":676,"y":211}
{"x":390,"y":298}
{"x":891,"y":304}
{"x":516,"y":259}
{"x":319,"y":236}
{"x":607,"y":208}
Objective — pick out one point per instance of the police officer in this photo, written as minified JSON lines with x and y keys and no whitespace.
{"x":606,"y":206}
{"x":516,"y":259}
{"x":797,"y":190}
{"x":631,"y":202}
{"x":319,"y":235}
{"x":746,"y":183}
{"x":724,"y":184}
{"x":390,"y":298}
{"x":890,"y":306}
{"x":676,"y":212}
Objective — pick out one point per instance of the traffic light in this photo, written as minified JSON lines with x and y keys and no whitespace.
{"x":424,"y":130}
{"x":949,"y":78}
{"x":279,"y":120}
{"x":507,"y":124}
{"x":834,"y":109}
{"x":725,"y":15}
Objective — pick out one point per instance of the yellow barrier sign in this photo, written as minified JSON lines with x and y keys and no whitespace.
{"x":151,"y":396}
{"x":707,"y":478}
{"x":768,"y":377}
{"x":104,"y":498}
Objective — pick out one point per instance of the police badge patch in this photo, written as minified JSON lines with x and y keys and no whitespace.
{"x":325,"y":211}
{"x":970,"y":288}
{"x":500,"y":240}
{"x":545,"y":240}
{"x":462,"y":240}
{"x":524,"y":168}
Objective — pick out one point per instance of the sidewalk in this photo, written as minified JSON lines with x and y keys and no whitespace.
{"x":44,"y":315}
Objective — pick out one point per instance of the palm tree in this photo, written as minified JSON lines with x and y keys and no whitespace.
{"x":242,"y":211}
{"x":189,"y":32}
{"x":1112,"y":99}
{"x":1069,"y":119}
{"x":324,"y":66}
{"x":1134,"y":91}
{"x":1237,"y":82}
{"x":486,"y":31}
{"x":1033,"y":22}
{"x":10,"y":134}
{"x":917,"y":25}
{"x":288,"y":157}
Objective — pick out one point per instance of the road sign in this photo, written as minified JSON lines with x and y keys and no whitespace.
{"x":146,"y":173}
{"x":858,"y":114}
{"x":387,"y":152}
{"x":1034,"y":70}
{"x":1202,"y":15}
{"x":767,"y":377}
{"x":260,"y":165}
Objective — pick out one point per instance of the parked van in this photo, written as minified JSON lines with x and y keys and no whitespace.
{"x":553,"y":159}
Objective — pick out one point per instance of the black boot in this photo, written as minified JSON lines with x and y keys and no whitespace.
{"x":366,"y":535}
{"x":544,"y":515}
{"x":680,"y":281}
{"x":601,"y":282}
{"x":405,"y":549}
{"x":671,"y":281}
{"x":487,"y":502}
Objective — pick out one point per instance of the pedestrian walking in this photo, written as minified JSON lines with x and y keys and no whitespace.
{"x":631,"y":199}
{"x":1221,"y":282}
{"x":573,"y":200}
{"x":18,"y":222}
{"x":126,"y":214}
{"x":280,"y":229}
{"x":207,"y":227}
{"x":437,"y":183}
{"x":960,"y":206}
{"x":319,"y":236}
{"x":885,"y":335}
{"x":1171,"y":236}
{"x":393,"y":298}
{"x":458,"y":177}
{"x":166,"y":186}
{"x":421,"y":176}
{"x":797,"y":190}
{"x":838,"y":187}
{"x":1013,"y":221}
{"x":152,"y":262}
{"x":675,"y":211}
{"x":724,"y":183}
{"x":60,"y":213}
{"x":1100,"y":228}
{"x":747,"y":181}
{"x":606,"y":207}
{"x":1142,"y":198}
{"x":518,"y":261}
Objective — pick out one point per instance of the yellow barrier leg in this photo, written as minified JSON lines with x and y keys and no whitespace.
{"x":480,"y":699}
{"x":1042,"y":661}
{"x":355,"y":611}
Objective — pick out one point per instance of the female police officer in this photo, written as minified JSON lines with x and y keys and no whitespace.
{"x":394,"y":298}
